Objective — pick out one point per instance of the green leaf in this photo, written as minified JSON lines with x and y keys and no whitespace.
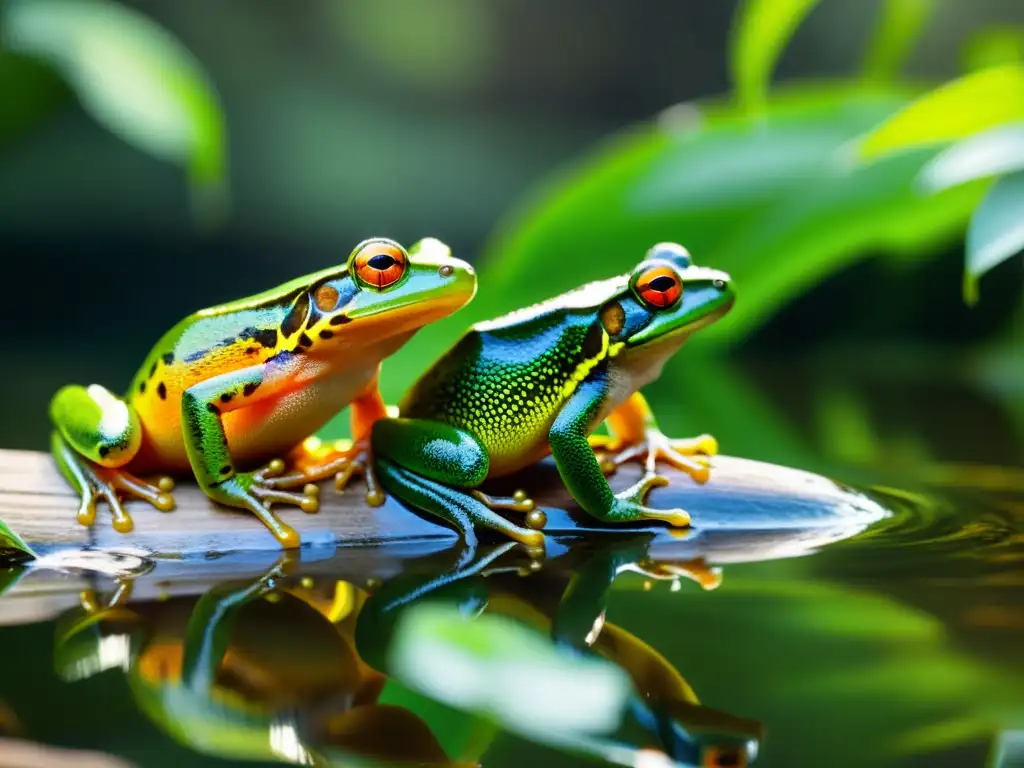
{"x":973,"y":103}
{"x":994,"y":46}
{"x":13,"y":548}
{"x":898,"y":28}
{"x":493,"y":666}
{"x":134,"y":78}
{"x":992,"y":153}
{"x":761,"y":30}
{"x":996,"y":232}
{"x":845,"y":214}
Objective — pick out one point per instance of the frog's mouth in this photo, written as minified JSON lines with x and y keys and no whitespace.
{"x":686,"y":330}
{"x":408,"y":317}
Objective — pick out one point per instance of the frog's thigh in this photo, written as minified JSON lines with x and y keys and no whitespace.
{"x":99,"y":425}
{"x":438,"y":451}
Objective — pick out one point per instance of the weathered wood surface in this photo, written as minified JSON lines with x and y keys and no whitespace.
{"x":37,"y":503}
{"x":747,"y":511}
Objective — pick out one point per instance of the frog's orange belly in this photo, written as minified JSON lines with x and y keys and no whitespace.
{"x":260,"y":432}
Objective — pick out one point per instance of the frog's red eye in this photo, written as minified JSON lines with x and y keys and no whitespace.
{"x":659,"y":287}
{"x":380,"y":264}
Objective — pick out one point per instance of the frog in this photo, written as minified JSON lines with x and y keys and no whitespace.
{"x":244,"y":383}
{"x":539,"y":382}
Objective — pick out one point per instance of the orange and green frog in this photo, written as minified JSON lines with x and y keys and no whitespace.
{"x":540,"y":381}
{"x":241,"y":384}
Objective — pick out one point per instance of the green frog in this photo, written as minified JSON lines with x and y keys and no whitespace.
{"x":540,"y":381}
{"x":248,"y":381}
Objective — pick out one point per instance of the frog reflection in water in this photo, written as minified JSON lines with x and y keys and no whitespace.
{"x":566,"y":599}
{"x":540,"y":381}
{"x":250,"y":380}
{"x":221,"y":674}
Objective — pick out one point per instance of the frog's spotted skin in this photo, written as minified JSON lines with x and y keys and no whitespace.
{"x":250,"y":380}
{"x":512,"y":383}
{"x":541,"y":380}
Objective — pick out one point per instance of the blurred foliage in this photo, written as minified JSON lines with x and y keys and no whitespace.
{"x":134,"y":78}
{"x":781,"y":188}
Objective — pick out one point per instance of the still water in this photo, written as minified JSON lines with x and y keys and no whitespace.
{"x":900,"y":644}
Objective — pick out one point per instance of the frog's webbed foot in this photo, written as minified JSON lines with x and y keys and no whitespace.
{"x":630,"y":503}
{"x":112,"y":485}
{"x":315,"y":464}
{"x":689,"y":455}
{"x":251,"y":491}
{"x":517,"y":502}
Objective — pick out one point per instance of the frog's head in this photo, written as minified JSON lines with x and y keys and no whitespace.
{"x":385,"y":291}
{"x":668,"y":299}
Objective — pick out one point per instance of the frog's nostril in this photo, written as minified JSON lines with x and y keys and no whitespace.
{"x":446,"y":270}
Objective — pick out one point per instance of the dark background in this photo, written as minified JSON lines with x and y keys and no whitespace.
{"x":397,"y":118}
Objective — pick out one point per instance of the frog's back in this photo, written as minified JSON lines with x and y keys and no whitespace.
{"x":505,"y":385}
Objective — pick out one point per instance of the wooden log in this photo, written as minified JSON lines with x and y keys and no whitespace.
{"x":748,"y":511}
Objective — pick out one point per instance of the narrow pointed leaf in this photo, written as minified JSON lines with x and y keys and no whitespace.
{"x":761,"y":31}
{"x":973,"y":103}
{"x":898,"y":28}
{"x":131,"y":76}
{"x":13,"y":548}
{"x":992,"y":153}
{"x":996,"y":231}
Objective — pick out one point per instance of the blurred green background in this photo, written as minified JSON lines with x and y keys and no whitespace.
{"x":159,"y":157}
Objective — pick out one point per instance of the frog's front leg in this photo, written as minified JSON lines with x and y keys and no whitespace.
{"x":313,"y":461}
{"x":636,"y":437}
{"x":202,"y":408}
{"x":579,"y":467}
{"x":419,"y":461}
{"x":96,"y":435}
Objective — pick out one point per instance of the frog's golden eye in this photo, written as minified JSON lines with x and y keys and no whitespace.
{"x":379,"y":265}
{"x":659,"y":287}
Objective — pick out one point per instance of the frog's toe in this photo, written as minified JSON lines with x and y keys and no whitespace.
{"x":687,"y":455}
{"x":308,"y":501}
{"x":679,"y":518}
{"x":637,"y":493}
{"x":519,"y":501}
{"x":127,"y":484}
{"x":705,"y":445}
{"x":361,"y":464}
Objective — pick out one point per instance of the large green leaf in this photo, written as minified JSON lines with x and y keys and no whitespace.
{"x":973,"y":103}
{"x":133,"y":77}
{"x":760,"y":33}
{"x":987,"y":154}
{"x":996,"y":232}
{"x":845,"y":214}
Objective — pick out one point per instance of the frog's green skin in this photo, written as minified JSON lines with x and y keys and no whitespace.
{"x":541,"y":380}
{"x":250,"y":380}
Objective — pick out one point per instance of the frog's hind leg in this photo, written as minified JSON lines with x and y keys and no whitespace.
{"x":93,"y":483}
{"x":457,"y":507}
{"x":96,"y":435}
